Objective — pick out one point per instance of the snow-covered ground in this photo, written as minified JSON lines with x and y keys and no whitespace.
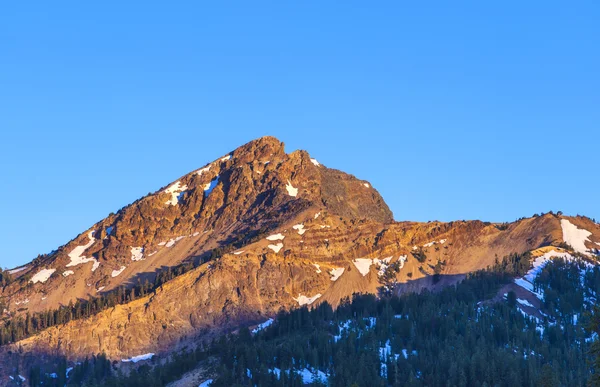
{"x":382,"y":265}
{"x":315,"y":162}
{"x":238,"y":252}
{"x":303,"y":300}
{"x":276,"y":247}
{"x":68,"y":273}
{"x":171,"y":241}
{"x":363,"y":265}
{"x":275,"y":237}
{"x":76,"y":254}
{"x":206,"y":383}
{"x":18,"y":269}
{"x":175,"y":190}
{"x":202,"y":170}
{"x":137,"y":253}
{"x":135,"y":359}
{"x":262,"y":326}
{"x":525,"y":302}
{"x":299,"y":228}
{"x":575,"y":237}
{"x":318,"y":268}
{"x":42,"y":276}
{"x":526,"y":282}
{"x":291,"y":190}
{"x":208,"y":187}
{"x":336,"y":273}
{"x":115,"y":273}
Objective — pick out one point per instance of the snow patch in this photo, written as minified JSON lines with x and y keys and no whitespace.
{"x":367,"y":185}
{"x":318,"y":267}
{"x":135,"y":359}
{"x":18,"y":269}
{"x":315,"y":162}
{"x":76,"y":254}
{"x":575,"y":237}
{"x":312,"y":376}
{"x":363,"y":265}
{"x":276,"y":247}
{"x":525,"y":302}
{"x":275,"y":237}
{"x":382,"y":265}
{"x":319,"y":214}
{"x":228,"y":157}
{"x":336,"y":273}
{"x":208,"y":187}
{"x":175,"y":190}
{"x":42,"y":275}
{"x":172,"y":241}
{"x":538,"y":265}
{"x":291,"y":190}
{"x":68,"y":273}
{"x":299,"y":228}
{"x":262,"y":326}
{"x":117,"y":272}
{"x":202,"y":170}
{"x":238,"y":252}
{"x":303,"y":300}
{"x":206,"y":383}
{"x":137,"y":253}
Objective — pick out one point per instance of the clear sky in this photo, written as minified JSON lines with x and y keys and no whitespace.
{"x":467,"y":110}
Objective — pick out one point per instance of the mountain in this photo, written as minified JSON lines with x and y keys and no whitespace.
{"x":232,"y":244}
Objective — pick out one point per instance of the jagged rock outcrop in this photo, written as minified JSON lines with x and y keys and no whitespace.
{"x":290,"y":231}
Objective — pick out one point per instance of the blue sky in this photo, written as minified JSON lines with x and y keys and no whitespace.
{"x":466,"y":110}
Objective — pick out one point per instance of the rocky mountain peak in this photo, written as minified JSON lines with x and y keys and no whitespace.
{"x":225,"y":204}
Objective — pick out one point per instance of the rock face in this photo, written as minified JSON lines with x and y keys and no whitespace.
{"x":290,"y":232}
{"x":240,"y":196}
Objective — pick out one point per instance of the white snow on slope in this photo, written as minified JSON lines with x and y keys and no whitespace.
{"x":76,"y":254}
{"x":176,"y":189}
{"x":303,"y":300}
{"x":291,"y":190}
{"x":382,"y":265}
{"x":135,"y":359}
{"x":315,"y":162}
{"x":18,"y":269}
{"x":208,"y":187}
{"x":318,"y":268}
{"x":238,"y":252}
{"x":137,"y":253}
{"x":367,"y":185}
{"x":262,"y":326}
{"x":525,"y":302}
{"x":402,"y":260}
{"x":363,"y":265}
{"x":275,"y":237}
{"x":336,"y":273}
{"x":117,"y":272}
{"x":299,"y":228}
{"x":538,"y":265}
{"x":576,"y":237}
{"x":42,"y":275}
{"x":319,"y":214}
{"x":68,"y":273}
{"x":172,"y":241}
{"x":310,"y":376}
{"x":202,"y":170}
{"x":226,"y":158}
{"x":276,"y":247}
{"x":206,"y":383}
